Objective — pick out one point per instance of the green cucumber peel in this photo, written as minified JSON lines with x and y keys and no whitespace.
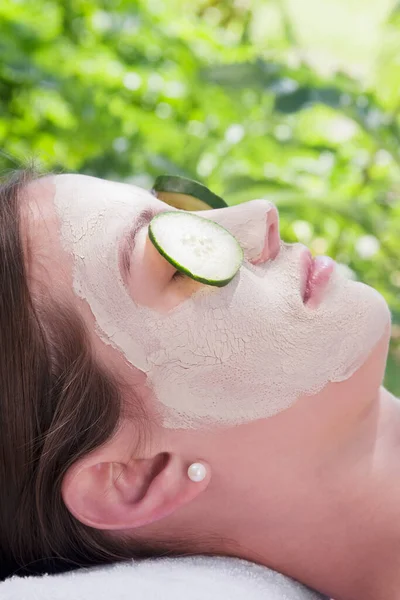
{"x":182,"y":185}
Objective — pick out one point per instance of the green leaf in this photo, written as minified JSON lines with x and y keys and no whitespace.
{"x":305,"y":97}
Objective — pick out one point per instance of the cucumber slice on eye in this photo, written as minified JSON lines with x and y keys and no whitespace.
{"x":186,"y":194}
{"x":198,"y":247}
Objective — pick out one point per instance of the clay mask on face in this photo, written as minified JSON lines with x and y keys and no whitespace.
{"x":225,"y":355}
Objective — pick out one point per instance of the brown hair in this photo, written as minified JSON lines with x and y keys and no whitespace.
{"x":56,"y":405}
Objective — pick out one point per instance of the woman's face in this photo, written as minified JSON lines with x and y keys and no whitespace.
{"x":210,"y":355}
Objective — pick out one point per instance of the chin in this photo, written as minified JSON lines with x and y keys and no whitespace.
{"x":372,"y":372}
{"x":367,"y":379}
{"x":368,"y":321}
{"x":341,"y":405}
{"x":356,"y":386}
{"x":381,"y":318}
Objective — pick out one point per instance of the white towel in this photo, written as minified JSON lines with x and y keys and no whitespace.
{"x":174,"y":578}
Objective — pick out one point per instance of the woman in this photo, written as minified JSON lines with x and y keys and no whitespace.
{"x":144,"y":413}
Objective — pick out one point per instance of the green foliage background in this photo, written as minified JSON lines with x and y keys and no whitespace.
{"x":294,"y":100}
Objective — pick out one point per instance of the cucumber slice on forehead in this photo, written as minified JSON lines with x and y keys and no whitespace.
{"x":198,"y":247}
{"x":186,"y":194}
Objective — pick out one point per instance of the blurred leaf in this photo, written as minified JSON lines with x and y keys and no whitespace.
{"x":243,"y":182}
{"x":239,"y":75}
{"x":304,"y":97}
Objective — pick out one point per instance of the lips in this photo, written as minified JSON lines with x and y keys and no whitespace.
{"x":317,"y":275}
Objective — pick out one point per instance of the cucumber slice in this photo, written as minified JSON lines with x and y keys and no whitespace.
{"x":198,"y":247}
{"x":186,"y":194}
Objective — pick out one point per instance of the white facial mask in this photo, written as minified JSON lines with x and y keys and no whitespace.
{"x":225,"y":355}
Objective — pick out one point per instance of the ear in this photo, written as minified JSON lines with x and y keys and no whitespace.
{"x":107,"y":490}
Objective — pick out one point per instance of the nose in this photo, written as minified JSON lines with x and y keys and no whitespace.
{"x":255,"y":224}
{"x":272,"y":238}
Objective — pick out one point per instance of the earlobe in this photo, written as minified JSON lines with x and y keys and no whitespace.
{"x":114,"y":495}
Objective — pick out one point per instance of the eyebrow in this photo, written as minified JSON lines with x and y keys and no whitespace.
{"x":143,"y":218}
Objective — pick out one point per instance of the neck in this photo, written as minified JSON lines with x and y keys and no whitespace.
{"x":345,"y":542}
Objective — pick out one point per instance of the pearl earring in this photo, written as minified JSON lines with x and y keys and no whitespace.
{"x":197,"y":472}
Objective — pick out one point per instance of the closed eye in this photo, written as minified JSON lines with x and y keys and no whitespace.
{"x":178,"y":275}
